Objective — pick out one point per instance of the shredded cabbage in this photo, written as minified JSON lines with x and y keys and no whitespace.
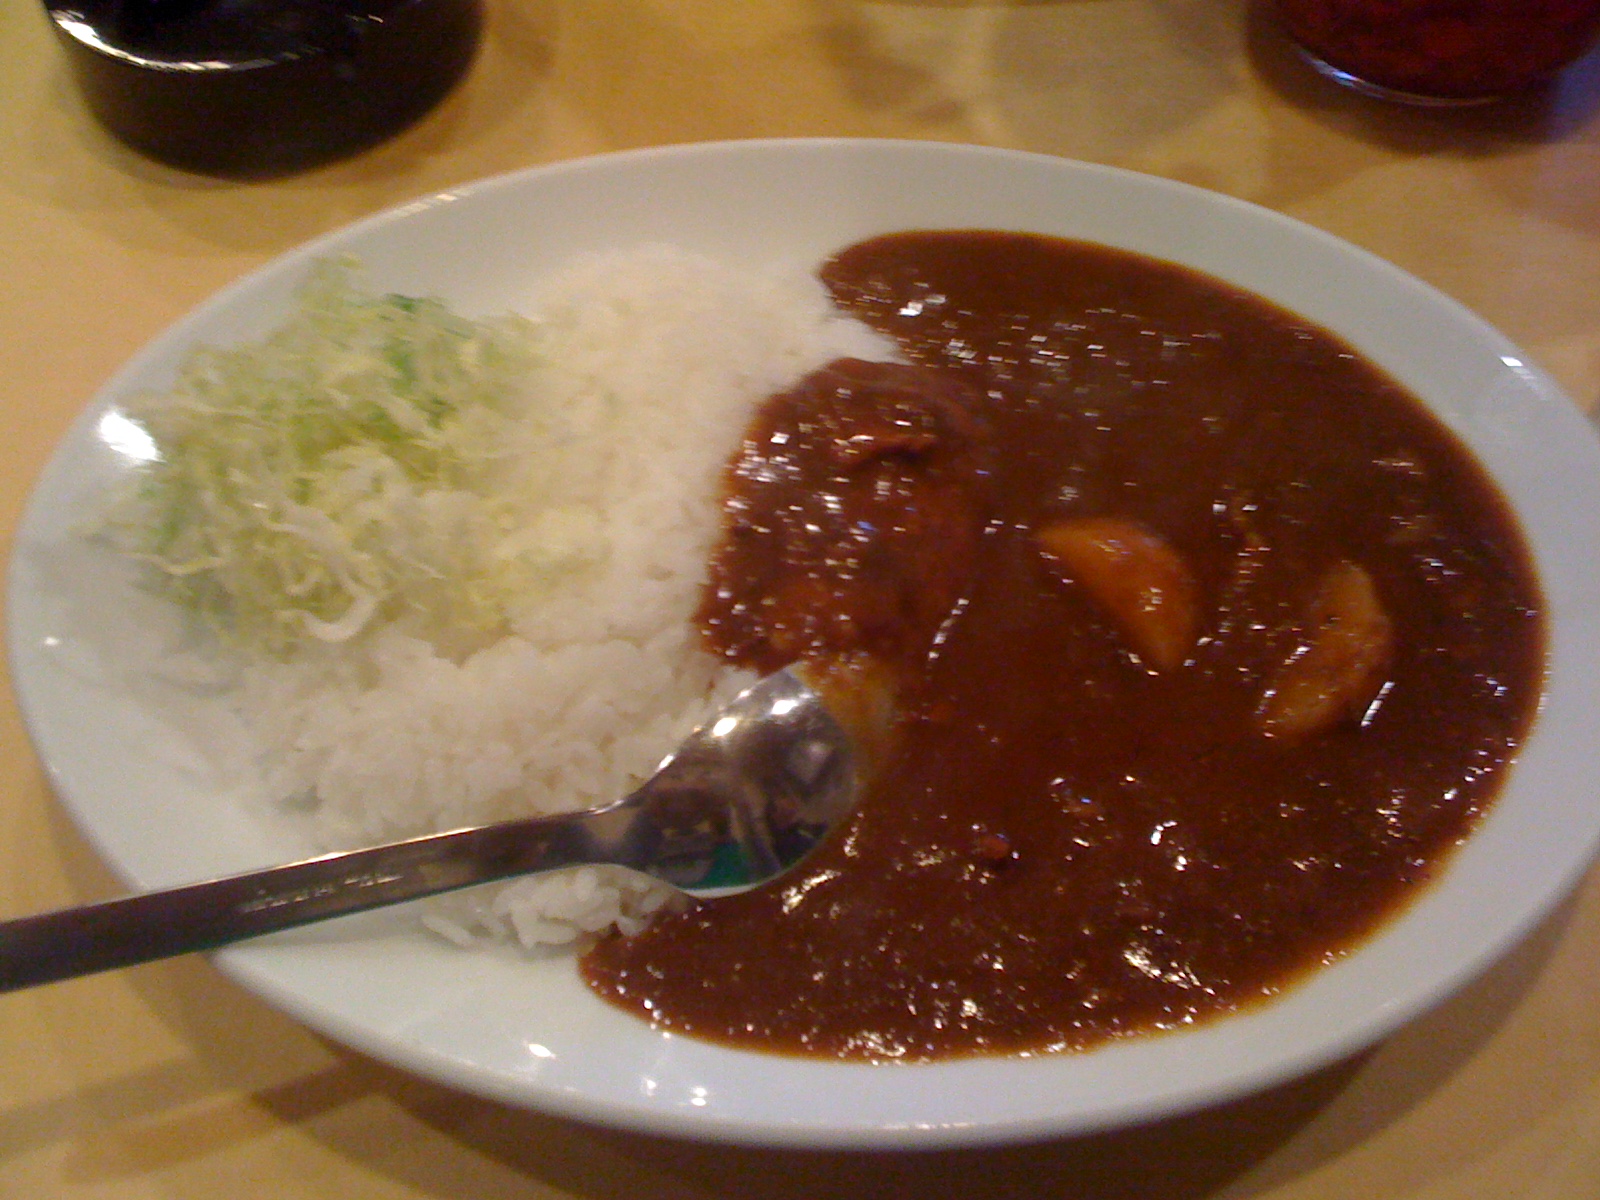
{"x":348,"y":470}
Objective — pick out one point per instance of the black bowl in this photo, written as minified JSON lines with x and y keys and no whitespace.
{"x":263,"y":87}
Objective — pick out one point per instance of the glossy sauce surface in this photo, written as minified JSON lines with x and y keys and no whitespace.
{"x":1070,"y":842}
{"x":853,"y":514}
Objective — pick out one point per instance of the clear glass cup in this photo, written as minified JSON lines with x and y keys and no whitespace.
{"x":1441,"y":51}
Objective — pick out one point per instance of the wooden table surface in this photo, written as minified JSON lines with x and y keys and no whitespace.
{"x":169,"y":1081}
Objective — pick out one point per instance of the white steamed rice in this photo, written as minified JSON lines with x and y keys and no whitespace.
{"x":653,"y":361}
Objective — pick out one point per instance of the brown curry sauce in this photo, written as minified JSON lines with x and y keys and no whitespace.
{"x":1071,"y":842}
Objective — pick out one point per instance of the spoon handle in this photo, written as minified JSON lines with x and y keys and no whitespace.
{"x":202,"y":916}
{"x":743,"y":798}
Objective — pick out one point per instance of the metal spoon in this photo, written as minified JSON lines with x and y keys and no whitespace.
{"x":744,"y":798}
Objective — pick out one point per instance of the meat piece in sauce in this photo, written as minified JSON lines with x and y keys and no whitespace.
{"x":852,"y":515}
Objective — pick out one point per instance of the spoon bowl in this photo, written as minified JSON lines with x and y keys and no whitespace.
{"x":743,"y":798}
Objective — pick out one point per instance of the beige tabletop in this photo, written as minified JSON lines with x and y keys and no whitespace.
{"x":169,"y":1081}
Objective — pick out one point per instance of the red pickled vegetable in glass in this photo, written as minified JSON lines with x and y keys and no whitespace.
{"x":1443,"y":49}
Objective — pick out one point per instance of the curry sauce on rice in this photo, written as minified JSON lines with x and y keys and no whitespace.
{"x":1231,"y":643}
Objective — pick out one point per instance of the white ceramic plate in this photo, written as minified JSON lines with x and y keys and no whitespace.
{"x":131,"y":763}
